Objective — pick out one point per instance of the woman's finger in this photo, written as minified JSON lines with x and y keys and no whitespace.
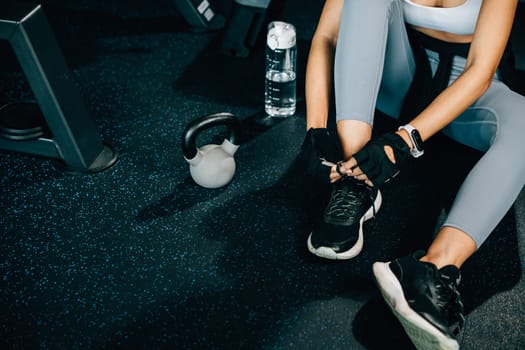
{"x":361,"y":177}
{"x":356,"y":171}
{"x":365,"y":179}
{"x":350,"y":164}
{"x":334,"y":175}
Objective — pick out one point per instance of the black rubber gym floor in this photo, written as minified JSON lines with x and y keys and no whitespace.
{"x":139,"y":256}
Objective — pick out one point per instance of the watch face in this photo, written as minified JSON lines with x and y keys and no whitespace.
{"x":418,"y":142}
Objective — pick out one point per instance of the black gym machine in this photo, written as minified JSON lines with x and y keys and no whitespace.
{"x":241,"y":28}
{"x":58,"y":125}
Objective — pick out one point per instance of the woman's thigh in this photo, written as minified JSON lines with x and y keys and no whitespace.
{"x":494,"y":124}
{"x":498,"y":114}
{"x":374,"y":64}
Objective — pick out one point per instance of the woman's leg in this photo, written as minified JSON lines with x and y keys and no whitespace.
{"x":373,"y":63}
{"x":451,"y":246}
{"x":374,"y":67}
{"x":494,"y":124}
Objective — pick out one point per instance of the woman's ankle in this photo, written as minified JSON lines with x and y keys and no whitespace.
{"x":450,"y":247}
{"x":353,"y":135}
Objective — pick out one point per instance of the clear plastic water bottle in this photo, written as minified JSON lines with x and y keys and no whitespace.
{"x":281,"y":57}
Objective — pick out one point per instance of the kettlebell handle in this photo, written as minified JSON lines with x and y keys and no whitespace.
{"x":195,"y":127}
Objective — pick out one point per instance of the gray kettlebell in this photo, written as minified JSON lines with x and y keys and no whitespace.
{"x":212,"y":165}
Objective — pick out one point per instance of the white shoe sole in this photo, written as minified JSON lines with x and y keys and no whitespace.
{"x":329,"y":253}
{"x":423,"y":334}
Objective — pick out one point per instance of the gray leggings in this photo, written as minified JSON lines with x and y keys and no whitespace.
{"x":374,"y":67}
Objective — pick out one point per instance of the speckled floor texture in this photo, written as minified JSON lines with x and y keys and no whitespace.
{"x":140,"y":257}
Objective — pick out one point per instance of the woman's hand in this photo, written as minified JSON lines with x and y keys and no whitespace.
{"x":376,"y":163}
{"x":319,"y":149}
{"x":348,"y":168}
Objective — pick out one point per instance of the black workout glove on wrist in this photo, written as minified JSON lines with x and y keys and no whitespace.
{"x":319,"y":144}
{"x":374,"y":162}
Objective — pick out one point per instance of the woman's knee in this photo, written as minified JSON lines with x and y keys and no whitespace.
{"x":496,"y":118}
{"x":369,"y":7}
{"x":511,"y":120}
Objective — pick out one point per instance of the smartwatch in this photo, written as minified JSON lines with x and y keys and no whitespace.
{"x":417,"y":149}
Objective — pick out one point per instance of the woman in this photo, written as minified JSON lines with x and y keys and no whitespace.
{"x":372,"y":49}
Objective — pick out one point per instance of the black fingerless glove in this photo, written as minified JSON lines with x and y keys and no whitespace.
{"x":324,"y":144}
{"x":319,"y":144}
{"x":374,"y":162}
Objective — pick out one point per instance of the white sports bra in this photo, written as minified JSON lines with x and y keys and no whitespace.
{"x":459,"y":20}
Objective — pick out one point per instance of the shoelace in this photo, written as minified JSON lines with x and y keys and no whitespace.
{"x":450,"y":300}
{"x":344,"y":202}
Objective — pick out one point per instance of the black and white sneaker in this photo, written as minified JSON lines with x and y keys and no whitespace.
{"x":340,"y":233}
{"x":424,"y":299}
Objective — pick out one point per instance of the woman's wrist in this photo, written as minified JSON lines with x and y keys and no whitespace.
{"x":404,"y":135}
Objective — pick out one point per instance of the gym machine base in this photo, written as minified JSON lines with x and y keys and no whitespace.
{"x":69,"y":134}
